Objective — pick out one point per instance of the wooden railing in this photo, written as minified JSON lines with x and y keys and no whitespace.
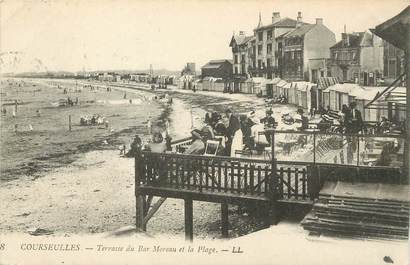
{"x":293,"y":182}
{"x":257,"y":178}
{"x":205,"y":174}
{"x":181,"y":144}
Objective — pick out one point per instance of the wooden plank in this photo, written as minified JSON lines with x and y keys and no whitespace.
{"x":219,"y":175}
{"x":183,"y":172}
{"x":194,"y":179}
{"x":139,"y":213}
{"x":296,"y":183}
{"x":225,"y":220}
{"x":238,"y":185}
{"x":266,"y":181}
{"x":154,"y":209}
{"x":189,"y":226}
{"x":252,"y":178}
{"x":189,"y":179}
{"x":281,"y":182}
{"x":201,"y":172}
{"x":213,"y":176}
{"x":225,"y":177}
{"x":245,"y":183}
{"x":304,"y":183}
{"x":206,"y":174}
{"x":232,"y":178}
{"x":289,"y":182}
{"x":259,"y":179}
{"x":177,"y":172}
{"x":233,"y":198}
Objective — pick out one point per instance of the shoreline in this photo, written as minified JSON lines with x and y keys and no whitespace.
{"x":100,"y":182}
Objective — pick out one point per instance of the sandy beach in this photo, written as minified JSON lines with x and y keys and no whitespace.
{"x":92,"y":195}
{"x":93,"y":191}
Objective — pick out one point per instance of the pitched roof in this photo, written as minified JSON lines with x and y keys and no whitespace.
{"x":300,"y":31}
{"x":240,"y":39}
{"x":354,"y":41}
{"x":390,"y":29}
{"x":283,"y":23}
{"x":214,"y":64}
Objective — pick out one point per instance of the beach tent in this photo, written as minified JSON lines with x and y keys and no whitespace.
{"x":286,"y":88}
{"x":218,"y":84}
{"x":206,"y":83}
{"x":275,"y":90}
{"x":390,"y":103}
{"x":259,"y":85}
{"x":338,"y":95}
{"x":198,"y":84}
{"x":303,"y":94}
{"x":363,"y":97}
{"x":291,"y":94}
{"x":246,"y":86}
{"x":343,"y":94}
{"x":280,"y":87}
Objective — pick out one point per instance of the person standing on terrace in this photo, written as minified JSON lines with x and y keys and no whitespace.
{"x":233,"y":133}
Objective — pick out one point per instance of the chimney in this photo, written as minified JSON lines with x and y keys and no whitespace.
{"x":275,"y":17}
{"x":319,"y":21}
{"x":345,"y":38}
{"x":299,"y":19}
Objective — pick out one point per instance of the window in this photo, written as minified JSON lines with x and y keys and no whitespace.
{"x":260,"y":36}
{"x":392,"y":68}
{"x":259,"y":49}
{"x":236,"y":70}
{"x":269,"y":36}
{"x":235,"y":58}
{"x":269,"y":48}
{"x":335,"y":55}
{"x":259,"y":64}
{"x":243,"y":58}
{"x":268,"y":63}
{"x":353,"y":55}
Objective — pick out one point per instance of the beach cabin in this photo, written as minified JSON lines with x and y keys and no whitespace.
{"x":303,"y":94}
{"x":246,"y":87}
{"x":259,"y":86}
{"x":274,"y":87}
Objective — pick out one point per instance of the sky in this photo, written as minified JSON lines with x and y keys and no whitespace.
{"x":91,"y":35}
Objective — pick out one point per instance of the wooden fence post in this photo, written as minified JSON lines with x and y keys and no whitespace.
{"x":225,"y":220}
{"x":139,"y":198}
{"x":69,"y":123}
{"x":272,"y":182}
{"x":189,"y":226}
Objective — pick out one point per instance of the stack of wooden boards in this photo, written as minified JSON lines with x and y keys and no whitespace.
{"x":364,"y":210}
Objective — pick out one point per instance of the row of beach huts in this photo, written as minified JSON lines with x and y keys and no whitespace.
{"x":327,"y":94}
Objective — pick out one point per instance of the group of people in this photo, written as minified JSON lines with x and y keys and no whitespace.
{"x":351,"y":121}
{"x":95,"y":119}
{"x":71,"y":102}
{"x":385,"y":125}
{"x":281,"y":99}
{"x":232,"y":132}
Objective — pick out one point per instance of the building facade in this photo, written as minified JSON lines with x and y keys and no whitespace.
{"x":218,"y":69}
{"x":358,"y":58}
{"x":300,"y":48}
{"x":393,"y":62}
{"x":256,"y":56}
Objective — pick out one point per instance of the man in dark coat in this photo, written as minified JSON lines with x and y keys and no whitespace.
{"x":354,"y":119}
{"x":233,"y":126}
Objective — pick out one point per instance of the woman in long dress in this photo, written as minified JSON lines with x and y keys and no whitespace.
{"x":237,"y":142}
